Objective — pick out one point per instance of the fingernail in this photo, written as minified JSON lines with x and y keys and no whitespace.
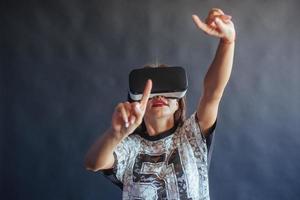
{"x":126,"y":124}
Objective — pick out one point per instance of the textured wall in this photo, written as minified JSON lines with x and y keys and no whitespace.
{"x":64,"y":66}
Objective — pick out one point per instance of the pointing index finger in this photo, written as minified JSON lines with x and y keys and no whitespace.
{"x":146,"y":93}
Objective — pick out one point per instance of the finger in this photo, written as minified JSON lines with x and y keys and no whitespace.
{"x":136,"y":108}
{"x":128,"y":107}
{"x":146,"y":94}
{"x":132,"y":119}
{"x":226,"y":18}
{"x":216,"y":10}
{"x":121,"y":109}
{"x":213,"y":13}
{"x":200,"y":24}
{"x":207,"y":29}
{"x":210,"y":21}
{"x":227,"y":21}
{"x":137,"y":112}
{"x":130,"y":112}
{"x":220,"y":24}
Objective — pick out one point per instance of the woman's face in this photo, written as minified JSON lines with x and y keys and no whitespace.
{"x":161,"y":107}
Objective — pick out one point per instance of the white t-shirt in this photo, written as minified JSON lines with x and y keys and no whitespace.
{"x":172,"y":165}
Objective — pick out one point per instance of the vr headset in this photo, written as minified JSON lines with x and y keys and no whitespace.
{"x":170,"y":82}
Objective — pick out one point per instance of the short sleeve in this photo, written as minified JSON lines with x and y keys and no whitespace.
{"x":123,"y":154}
{"x":203,"y":144}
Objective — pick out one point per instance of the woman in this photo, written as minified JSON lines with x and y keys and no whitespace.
{"x":169,"y":159}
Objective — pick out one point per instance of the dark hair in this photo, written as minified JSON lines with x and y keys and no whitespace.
{"x":179,"y":115}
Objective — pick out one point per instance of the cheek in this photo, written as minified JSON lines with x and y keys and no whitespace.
{"x":174,"y":105}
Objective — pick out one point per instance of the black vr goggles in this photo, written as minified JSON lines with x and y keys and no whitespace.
{"x":170,"y":82}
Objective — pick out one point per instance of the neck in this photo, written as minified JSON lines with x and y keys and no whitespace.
{"x":157,"y":126}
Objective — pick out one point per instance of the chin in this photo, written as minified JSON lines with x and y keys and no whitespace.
{"x":159,"y":113}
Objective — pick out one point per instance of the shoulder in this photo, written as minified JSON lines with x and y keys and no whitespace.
{"x":192,"y":127}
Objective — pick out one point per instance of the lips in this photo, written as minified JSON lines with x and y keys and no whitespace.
{"x":159,"y":103}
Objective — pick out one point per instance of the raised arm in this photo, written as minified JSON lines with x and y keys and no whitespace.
{"x":219,"y":25}
{"x":126,"y":118}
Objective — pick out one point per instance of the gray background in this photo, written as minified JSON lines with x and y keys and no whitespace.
{"x":65,"y":64}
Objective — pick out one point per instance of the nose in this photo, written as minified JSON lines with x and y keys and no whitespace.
{"x":159,"y":97}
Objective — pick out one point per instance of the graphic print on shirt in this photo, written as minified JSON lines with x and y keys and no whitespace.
{"x":172,"y":167}
{"x":154,"y":182}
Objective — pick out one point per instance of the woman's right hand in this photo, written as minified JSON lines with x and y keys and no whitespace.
{"x":128,"y":116}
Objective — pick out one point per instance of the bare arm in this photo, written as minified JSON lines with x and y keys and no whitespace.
{"x":126,"y":118}
{"x":219,"y":25}
{"x":100,"y":154}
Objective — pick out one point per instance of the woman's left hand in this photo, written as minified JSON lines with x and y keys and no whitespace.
{"x":217,"y":24}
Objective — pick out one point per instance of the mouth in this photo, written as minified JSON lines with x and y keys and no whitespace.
{"x":159,"y":103}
